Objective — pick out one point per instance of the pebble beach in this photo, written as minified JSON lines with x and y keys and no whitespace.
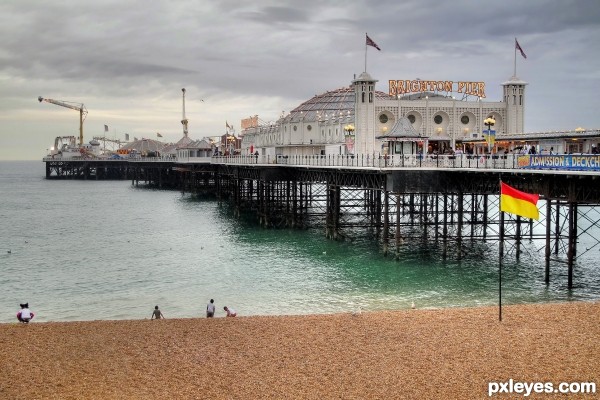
{"x":450,"y":353}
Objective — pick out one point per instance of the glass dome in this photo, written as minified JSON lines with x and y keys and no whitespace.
{"x":338,"y":103}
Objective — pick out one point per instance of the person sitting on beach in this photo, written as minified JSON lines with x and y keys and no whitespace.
{"x":230,"y":311}
{"x":157,"y":314}
{"x":25,"y":315}
{"x":210,"y":309}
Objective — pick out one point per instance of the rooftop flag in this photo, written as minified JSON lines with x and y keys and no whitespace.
{"x":370,"y":42}
{"x":519,"y":203}
{"x":158,"y":134}
{"x":105,"y":128}
{"x":518,"y":47}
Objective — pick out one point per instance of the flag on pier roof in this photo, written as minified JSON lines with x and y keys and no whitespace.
{"x":105,"y":128}
{"x":158,"y":134}
{"x":227,"y":125}
{"x":518,"y":47}
{"x":127,"y":137}
{"x":519,"y":203}
{"x":370,"y":42}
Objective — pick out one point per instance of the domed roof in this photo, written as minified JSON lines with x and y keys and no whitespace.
{"x":339,"y":102}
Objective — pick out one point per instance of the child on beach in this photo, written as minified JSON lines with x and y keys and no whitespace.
{"x":210,"y":309}
{"x":25,"y":315}
{"x":230,"y":311}
{"x":157,"y":314}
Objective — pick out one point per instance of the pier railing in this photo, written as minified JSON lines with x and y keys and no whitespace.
{"x":509,"y":161}
{"x":585,"y":163}
{"x":589,"y":163}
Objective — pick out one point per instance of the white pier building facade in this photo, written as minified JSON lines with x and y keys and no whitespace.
{"x":412,"y":117}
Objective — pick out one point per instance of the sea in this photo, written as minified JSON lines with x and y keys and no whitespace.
{"x":108,"y":250}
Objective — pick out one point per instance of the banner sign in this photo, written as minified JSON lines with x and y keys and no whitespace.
{"x":399,"y":87}
{"x":251,"y":122}
{"x":566,"y":161}
{"x":490,"y":136}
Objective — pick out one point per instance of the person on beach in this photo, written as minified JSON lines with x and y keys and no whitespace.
{"x":230,"y":311}
{"x":25,"y":315}
{"x":157,"y":314}
{"x":210,"y":309}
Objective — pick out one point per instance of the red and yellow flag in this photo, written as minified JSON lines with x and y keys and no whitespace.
{"x":519,"y":203}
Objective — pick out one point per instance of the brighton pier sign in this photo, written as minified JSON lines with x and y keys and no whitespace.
{"x":403,"y":87}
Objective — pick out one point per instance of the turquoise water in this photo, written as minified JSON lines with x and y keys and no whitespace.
{"x":86,"y":250}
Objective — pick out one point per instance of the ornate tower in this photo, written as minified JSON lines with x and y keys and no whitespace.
{"x":364,"y":113}
{"x":514,"y":97}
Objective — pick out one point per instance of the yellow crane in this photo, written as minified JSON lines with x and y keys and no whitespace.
{"x":73,"y":106}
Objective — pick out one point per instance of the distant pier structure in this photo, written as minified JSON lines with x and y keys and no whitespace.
{"x":452,"y":202}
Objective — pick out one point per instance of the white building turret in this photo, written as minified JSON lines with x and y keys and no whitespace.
{"x":364,"y":111}
{"x":514,"y":97}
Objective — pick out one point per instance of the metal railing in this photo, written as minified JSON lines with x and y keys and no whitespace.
{"x":509,"y":161}
{"x":590,"y":163}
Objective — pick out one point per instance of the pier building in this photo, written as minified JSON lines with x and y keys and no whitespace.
{"x":359,"y":119}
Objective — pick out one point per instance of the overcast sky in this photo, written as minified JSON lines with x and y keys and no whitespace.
{"x":127,"y":61}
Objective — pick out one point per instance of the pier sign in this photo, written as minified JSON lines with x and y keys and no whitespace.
{"x":567,"y":161}
{"x":399,"y":87}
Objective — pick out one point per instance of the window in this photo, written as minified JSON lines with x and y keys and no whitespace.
{"x":464,"y":119}
{"x":309,"y":127}
{"x":412,"y":118}
{"x":295,"y":128}
{"x":438,"y":119}
{"x":383,"y":118}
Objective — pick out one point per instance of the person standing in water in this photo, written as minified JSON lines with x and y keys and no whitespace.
{"x":210,"y":309}
{"x":157,"y":314}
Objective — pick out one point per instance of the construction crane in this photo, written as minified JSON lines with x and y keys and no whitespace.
{"x":184,"y":120}
{"x":74,"y":106}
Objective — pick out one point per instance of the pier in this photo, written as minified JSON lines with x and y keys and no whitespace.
{"x":452,"y":201}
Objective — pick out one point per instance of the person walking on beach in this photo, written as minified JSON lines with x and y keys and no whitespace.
{"x":25,"y":315}
{"x":157,"y":314}
{"x":230,"y":311}
{"x":210,"y":309}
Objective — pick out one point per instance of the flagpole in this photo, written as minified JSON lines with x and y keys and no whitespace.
{"x":515,"y":70}
{"x":501,"y":256}
{"x":500,"y":266}
{"x":365,"y":51}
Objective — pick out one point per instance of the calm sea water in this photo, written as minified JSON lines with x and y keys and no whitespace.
{"x":86,"y":250}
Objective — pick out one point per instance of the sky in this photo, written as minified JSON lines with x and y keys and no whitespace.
{"x":127,"y":61}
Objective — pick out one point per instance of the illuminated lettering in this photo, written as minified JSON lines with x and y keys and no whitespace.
{"x":398,"y":87}
{"x":481,"y":89}
{"x":415,"y":86}
{"x":393,"y":85}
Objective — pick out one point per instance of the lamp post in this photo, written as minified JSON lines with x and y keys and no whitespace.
{"x":231,"y":144}
{"x":349,"y":138}
{"x":349,"y":129}
{"x":489,"y":122}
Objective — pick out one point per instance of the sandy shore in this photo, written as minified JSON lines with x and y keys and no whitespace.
{"x":411,"y":354}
